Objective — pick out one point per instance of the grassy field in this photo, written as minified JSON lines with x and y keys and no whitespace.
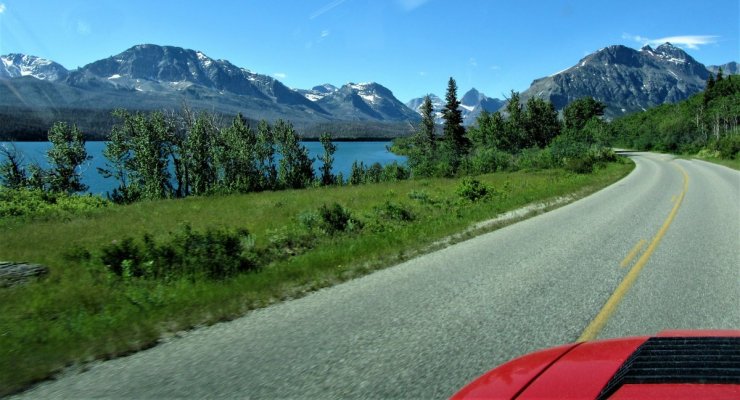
{"x":81,"y":312}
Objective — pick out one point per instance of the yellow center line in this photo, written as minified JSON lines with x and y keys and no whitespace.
{"x":635,"y":250}
{"x":597,"y":324}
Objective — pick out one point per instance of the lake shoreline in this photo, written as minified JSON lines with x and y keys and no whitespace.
{"x":348,"y":151}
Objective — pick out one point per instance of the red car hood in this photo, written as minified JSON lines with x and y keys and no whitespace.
{"x":608,"y":368}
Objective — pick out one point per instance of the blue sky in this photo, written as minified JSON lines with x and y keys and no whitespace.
{"x":410,"y":46}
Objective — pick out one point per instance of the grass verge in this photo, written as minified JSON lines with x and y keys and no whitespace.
{"x":81,"y":312}
{"x":730,"y":163}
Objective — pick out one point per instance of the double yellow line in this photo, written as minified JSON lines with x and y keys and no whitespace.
{"x":597,"y":324}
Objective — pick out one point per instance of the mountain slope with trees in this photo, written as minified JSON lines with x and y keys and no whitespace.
{"x":624,"y":79}
{"x":706,"y":121}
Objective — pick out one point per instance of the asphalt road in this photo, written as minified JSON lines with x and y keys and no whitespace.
{"x":426,"y":327}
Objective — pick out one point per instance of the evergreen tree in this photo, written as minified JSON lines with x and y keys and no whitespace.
{"x":488,"y":130}
{"x":709,"y":91}
{"x":66,"y":155}
{"x":454,"y":133}
{"x":426,"y":137}
{"x":327,"y":159}
{"x":710,"y":82}
{"x":720,"y":75}
{"x":422,"y":153}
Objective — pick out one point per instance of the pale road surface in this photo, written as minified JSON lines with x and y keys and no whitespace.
{"x":424,"y":328}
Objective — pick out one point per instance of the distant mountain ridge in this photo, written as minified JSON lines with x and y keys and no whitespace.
{"x":366,"y":101}
{"x":627,"y":80}
{"x":731,"y":68}
{"x":472,"y":103}
{"x":20,"y":65}
{"x":167,"y":69}
{"x":150,"y":76}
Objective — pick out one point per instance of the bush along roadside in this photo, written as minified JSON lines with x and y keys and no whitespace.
{"x":213,"y":254}
{"x":220,"y":253}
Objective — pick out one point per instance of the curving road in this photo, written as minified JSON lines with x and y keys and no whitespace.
{"x":426,"y":327}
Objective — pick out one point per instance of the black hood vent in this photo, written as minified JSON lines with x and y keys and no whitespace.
{"x":704,"y":360}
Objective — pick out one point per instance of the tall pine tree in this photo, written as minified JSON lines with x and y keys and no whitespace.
{"x":426,"y":135}
{"x":422,"y":154}
{"x":454,"y":133}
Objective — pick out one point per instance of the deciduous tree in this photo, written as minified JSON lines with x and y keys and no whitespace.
{"x":66,"y":155}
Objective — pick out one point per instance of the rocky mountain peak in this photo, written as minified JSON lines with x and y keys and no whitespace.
{"x":669,"y":51}
{"x":472,"y":104}
{"x":365,"y":101}
{"x":625,"y":79}
{"x":325,"y":88}
{"x":19,"y":65}
{"x":472,"y":97}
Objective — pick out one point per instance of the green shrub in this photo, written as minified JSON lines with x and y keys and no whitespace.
{"x":487,"y":160}
{"x":34,"y":203}
{"x":728,"y":146}
{"x":567,"y":146}
{"x":357,"y":173}
{"x":285,"y":242}
{"x":421,"y":196}
{"x":115,"y":254}
{"x":580,"y":165}
{"x":393,"y":172}
{"x":393,"y":212}
{"x":535,"y":159}
{"x":310,"y":220}
{"x":374,"y":173}
{"x":336,"y":219}
{"x":213,"y":254}
{"x":472,"y":189}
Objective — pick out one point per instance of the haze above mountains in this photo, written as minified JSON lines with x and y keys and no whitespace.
{"x":147,"y":77}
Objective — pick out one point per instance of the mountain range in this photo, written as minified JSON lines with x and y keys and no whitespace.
{"x":731,"y":68}
{"x":148,"y":77}
{"x":625,"y":79}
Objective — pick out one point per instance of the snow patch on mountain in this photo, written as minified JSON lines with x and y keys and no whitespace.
{"x":20,"y":65}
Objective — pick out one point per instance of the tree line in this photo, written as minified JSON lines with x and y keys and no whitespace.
{"x":706,"y":121}
{"x":522,"y":135}
{"x":160,"y":155}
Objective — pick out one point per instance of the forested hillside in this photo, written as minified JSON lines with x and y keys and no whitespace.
{"x":706,"y":121}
